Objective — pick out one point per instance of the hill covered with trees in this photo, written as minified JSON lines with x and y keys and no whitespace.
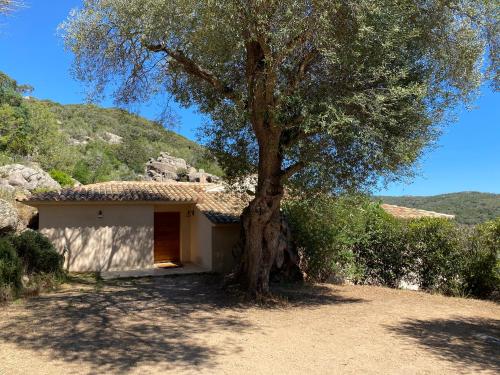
{"x":86,"y":142}
{"x":468,"y":207}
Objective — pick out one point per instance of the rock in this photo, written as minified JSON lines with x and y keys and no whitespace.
{"x":111,"y":138}
{"x":17,"y":177}
{"x":244,"y":184}
{"x":6,"y":189}
{"x":8,"y":217}
{"x":27,"y":217}
{"x":166,"y":167}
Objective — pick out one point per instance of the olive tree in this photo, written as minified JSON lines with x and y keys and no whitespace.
{"x":317,"y":94}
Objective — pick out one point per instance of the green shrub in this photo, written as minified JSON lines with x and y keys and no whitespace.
{"x":182,"y":174}
{"x":61,"y":177}
{"x":37,"y":254}
{"x":324,"y":229}
{"x":481,"y":271}
{"x":352,"y":238}
{"x":381,"y":250}
{"x":10,"y":270}
{"x":438,"y":252}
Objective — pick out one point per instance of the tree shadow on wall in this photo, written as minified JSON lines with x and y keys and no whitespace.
{"x":471,"y":342}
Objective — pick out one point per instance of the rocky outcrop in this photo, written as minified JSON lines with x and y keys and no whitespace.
{"x":9,"y":218}
{"x":244,"y":184}
{"x":18,"y":181}
{"x":166,"y":167}
{"x":17,"y":178}
{"x":111,"y":138}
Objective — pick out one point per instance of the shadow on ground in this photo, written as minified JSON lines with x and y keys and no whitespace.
{"x":472,"y":342}
{"x":126,"y":324}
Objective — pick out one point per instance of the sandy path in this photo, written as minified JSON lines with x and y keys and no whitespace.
{"x":187,"y":325}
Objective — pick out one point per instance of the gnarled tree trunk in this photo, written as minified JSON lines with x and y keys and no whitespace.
{"x":262,"y":241}
{"x":260,"y":226}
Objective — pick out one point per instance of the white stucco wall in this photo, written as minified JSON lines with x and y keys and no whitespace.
{"x":122,"y":239}
{"x":201,"y":240}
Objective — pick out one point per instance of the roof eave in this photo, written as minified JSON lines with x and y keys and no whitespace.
{"x":35,"y":203}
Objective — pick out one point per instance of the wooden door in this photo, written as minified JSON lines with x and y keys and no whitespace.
{"x":167,"y":236}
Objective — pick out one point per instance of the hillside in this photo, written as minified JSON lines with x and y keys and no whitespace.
{"x":86,"y":142}
{"x":468,"y":207}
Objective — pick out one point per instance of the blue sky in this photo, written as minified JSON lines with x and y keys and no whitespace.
{"x":467,"y":157}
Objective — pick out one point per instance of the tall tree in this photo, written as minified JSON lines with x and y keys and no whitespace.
{"x":328,"y":94}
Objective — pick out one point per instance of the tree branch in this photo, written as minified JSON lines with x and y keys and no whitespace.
{"x":292,"y":169}
{"x":302,"y":69}
{"x":293,"y":43}
{"x":191,"y":67}
{"x":293,"y":135}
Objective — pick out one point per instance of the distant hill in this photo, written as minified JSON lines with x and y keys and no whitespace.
{"x":468,"y":207}
{"x":86,"y":142}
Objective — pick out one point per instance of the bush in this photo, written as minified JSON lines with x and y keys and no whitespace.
{"x":37,"y":254}
{"x":353,"y":238}
{"x":10,"y":270}
{"x":324,"y":229}
{"x":481,"y":271}
{"x":438,"y":252}
{"x":381,"y":250}
{"x":61,"y":177}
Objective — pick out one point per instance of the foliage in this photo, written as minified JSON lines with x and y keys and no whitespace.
{"x":10,"y":270}
{"x":182,"y":174}
{"x":28,"y":264}
{"x":37,"y":253}
{"x":322,"y":95}
{"x":380,"y":250}
{"x":61,"y":177}
{"x":8,"y":6}
{"x":468,"y":207}
{"x":351,"y":237}
{"x":324,"y":229}
{"x":345,"y":92}
{"x":481,"y":271}
{"x":438,"y":253}
{"x":13,"y":115}
{"x":72,"y":139}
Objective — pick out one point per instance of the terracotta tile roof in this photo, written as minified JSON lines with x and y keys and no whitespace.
{"x":223,"y":208}
{"x":412,"y":213}
{"x":122,"y":191}
{"x":219,"y":207}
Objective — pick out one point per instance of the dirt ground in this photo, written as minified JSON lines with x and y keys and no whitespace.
{"x":187,"y":324}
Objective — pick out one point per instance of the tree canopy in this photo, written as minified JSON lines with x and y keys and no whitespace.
{"x":323,"y":94}
{"x":72,"y":139}
{"x":355,"y":87}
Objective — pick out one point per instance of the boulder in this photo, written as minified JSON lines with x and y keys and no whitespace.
{"x":17,"y":177}
{"x":166,"y":167}
{"x":111,"y":138}
{"x":9,"y":217}
{"x":28,"y":217}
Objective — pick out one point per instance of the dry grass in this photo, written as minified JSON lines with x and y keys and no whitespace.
{"x":188,"y":324}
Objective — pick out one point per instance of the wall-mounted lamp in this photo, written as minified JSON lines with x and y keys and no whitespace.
{"x":99,"y":214}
